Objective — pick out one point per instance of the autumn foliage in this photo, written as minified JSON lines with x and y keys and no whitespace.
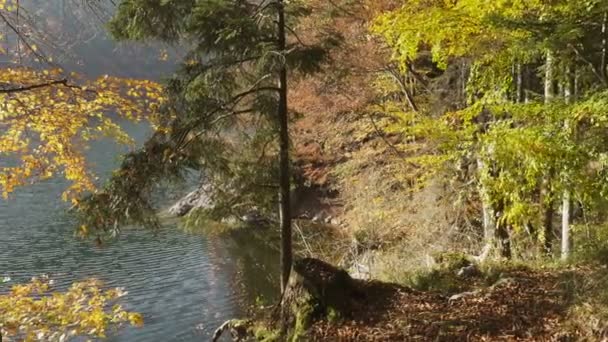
{"x":47,"y":119}
{"x":35,"y":312}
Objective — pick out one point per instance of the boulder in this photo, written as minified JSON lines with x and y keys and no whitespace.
{"x":197,"y":199}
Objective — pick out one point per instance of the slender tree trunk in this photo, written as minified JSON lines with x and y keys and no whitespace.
{"x":500,"y":227}
{"x":549,"y":77}
{"x":604,"y":61}
{"x":502,"y":232}
{"x":520,"y":86}
{"x":566,"y":225}
{"x":546,"y":195}
{"x":569,"y":91}
{"x":548,"y":212}
{"x":284,"y":178}
{"x":487,"y":211}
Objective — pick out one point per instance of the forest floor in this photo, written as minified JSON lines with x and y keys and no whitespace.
{"x":523,"y":305}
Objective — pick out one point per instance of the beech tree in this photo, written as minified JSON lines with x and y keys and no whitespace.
{"x":526,"y":136}
{"x":48,"y":115}
{"x":47,"y":118}
{"x":36,"y":312}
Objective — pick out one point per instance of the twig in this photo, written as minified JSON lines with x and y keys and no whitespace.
{"x":388,"y":143}
{"x":297,"y":226}
{"x":406,"y":92}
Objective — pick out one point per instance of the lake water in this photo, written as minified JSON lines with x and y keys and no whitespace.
{"x":185,"y":284}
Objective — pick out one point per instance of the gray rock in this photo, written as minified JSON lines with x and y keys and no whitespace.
{"x":197,"y":199}
{"x":462,"y":296}
{"x":253,"y":217}
{"x":506,"y":282}
{"x":335,"y":221}
{"x":468,"y":271}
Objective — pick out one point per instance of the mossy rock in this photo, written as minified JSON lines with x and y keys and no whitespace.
{"x":316,"y":290}
{"x":452,"y":260}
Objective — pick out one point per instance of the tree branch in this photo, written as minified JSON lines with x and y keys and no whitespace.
{"x":596,"y":72}
{"x":406,"y":92}
{"x":35,"y":86}
{"x":63,"y":82}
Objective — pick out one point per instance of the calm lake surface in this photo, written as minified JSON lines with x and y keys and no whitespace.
{"x":185,"y":284}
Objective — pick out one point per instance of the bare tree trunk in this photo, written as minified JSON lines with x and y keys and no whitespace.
{"x":546,"y":195}
{"x":284,"y":178}
{"x":502,"y":232}
{"x":569,"y":91}
{"x":566,"y":225}
{"x":548,"y":220}
{"x":604,"y":60}
{"x":520,"y":85}
{"x":487,"y":211}
{"x":549,"y":77}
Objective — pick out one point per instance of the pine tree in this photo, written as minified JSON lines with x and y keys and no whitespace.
{"x":228,"y":105}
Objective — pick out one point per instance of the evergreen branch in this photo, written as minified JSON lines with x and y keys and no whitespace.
{"x":229,"y":115}
{"x":213,"y":123}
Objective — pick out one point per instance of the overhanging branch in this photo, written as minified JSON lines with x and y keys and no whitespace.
{"x":64,"y":82}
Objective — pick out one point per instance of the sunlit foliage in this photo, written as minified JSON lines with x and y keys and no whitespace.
{"x":35,"y":312}
{"x":46,"y":121}
{"x":48,"y":116}
{"x":519,"y":146}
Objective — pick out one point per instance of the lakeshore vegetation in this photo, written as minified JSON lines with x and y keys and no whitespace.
{"x":456,"y":148}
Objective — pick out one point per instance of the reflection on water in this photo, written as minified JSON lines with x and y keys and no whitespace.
{"x":184,"y":284}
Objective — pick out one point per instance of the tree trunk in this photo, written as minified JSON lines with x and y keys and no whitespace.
{"x":284,"y":178}
{"x":566,"y":225}
{"x":520,"y":86}
{"x":546,"y":195}
{"x":569,"y":91}
{"x":502,"y":232}
{"x":488,"y":212}
{"x":549,"y":77}
{"x":548,"y":222}
{"x":604,"y":60}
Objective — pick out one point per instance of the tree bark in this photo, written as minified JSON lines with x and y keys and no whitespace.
{"x":569,"y":93}
{"x":502,"y":232}
{"x":284,"y":177}
{"x":566,"y":225}
{"x":548,"y":221}
{"x":546,"y":195}
{"x":604,"y":60}
{"x":549,"y":77}
{"x":488,"y":213}
{"x":520,"y":86}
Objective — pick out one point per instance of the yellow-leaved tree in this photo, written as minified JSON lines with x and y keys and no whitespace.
{"x":32,"y":312}
{"x":47,"y":118}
